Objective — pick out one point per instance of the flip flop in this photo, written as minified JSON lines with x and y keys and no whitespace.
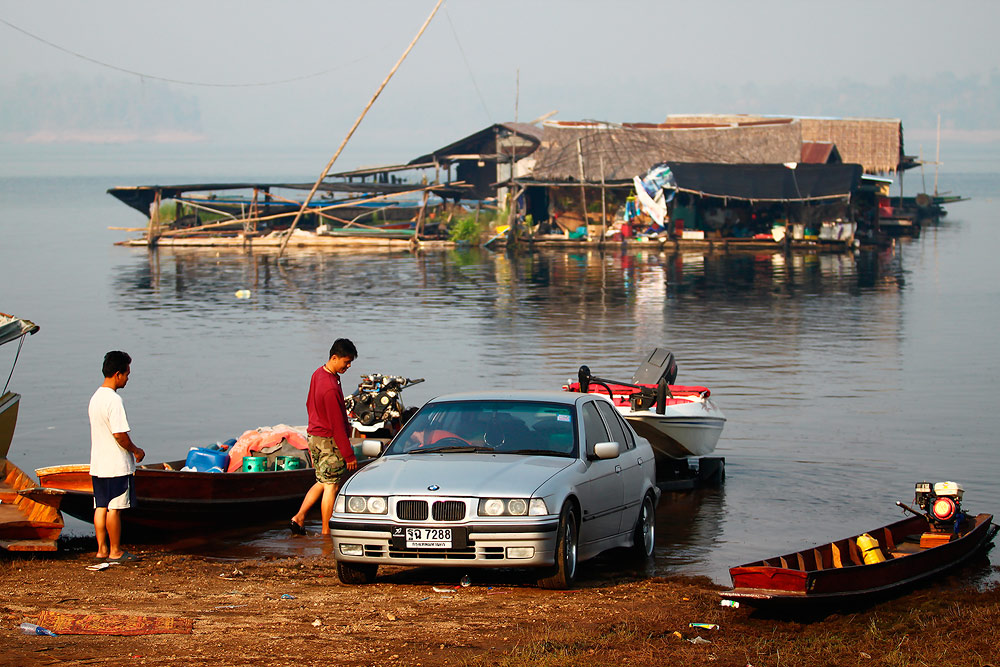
{"x":296,"y":528}
{"x":126,"y":557}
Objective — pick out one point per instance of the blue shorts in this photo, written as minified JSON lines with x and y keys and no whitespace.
{"x":114,"y":493}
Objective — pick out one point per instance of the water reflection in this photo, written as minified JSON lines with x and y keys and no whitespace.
{"x":804,"y":353}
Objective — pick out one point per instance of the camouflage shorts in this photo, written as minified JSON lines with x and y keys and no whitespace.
{"x":329,"y":464}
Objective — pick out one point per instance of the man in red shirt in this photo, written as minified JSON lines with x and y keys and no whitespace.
{"x":329,"y":435}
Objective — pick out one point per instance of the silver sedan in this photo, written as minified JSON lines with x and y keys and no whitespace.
{"x":516,"y":479}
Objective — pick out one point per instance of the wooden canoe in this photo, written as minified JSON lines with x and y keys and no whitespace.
{"x":836,"y":572}
{"x":25,"y":525}
{"x":169,"y":500}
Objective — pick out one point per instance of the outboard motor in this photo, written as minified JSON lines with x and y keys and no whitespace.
{"x":377,"y":398}
{"x":659,"y":369}
{"x":942,"y":503}
{"x":659,"y":366}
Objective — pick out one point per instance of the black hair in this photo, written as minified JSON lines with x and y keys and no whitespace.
{"x":343,"y":348}
{"x":116,"y":361}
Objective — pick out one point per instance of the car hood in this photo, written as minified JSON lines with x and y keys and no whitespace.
{"x":467,"y":475}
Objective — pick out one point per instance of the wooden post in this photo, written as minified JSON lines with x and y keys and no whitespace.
{"x":604,"y":204}
{"x":153,"y":232}
{"x":419,"y":230}
{"x":583,"y":187}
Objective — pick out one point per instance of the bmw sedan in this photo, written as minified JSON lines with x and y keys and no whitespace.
{"x":518,"y":479}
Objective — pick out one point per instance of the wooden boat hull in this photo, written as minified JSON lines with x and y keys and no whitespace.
{"x":25,"y":525}
{"x":171,"y":500}
{"x":813,"y":575}
{"x":8,"y":420}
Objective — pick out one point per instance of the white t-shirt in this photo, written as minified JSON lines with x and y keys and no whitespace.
{"x":107,"y":417}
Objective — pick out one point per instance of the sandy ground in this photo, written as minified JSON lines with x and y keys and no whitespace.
{"x":613,"y":616}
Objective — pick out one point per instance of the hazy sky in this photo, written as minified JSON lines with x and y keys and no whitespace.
{"x":619,"y":61}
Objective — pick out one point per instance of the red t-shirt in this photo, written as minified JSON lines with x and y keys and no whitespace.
{"x":327,"y":411}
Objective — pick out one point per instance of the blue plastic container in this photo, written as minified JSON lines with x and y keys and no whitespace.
{"x":203,"y":458}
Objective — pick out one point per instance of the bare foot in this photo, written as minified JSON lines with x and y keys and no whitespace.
{"x":101,"y":556}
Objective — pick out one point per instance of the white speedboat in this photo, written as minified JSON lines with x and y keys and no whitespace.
{"x":679,"y":421}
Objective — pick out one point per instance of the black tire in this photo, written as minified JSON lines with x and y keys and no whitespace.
{"x":644,"y":533}
{"x":356,"y":573}
{"x":563,"y":574}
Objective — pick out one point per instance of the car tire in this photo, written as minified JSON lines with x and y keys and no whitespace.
{"x":356,"y":573}
{"x":563,"y":574}
{"x":644,"y":533}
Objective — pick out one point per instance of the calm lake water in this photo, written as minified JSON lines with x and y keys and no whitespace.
{"x":845,"y":378}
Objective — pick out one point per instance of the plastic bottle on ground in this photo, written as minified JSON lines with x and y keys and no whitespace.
{"x":32,"y":629}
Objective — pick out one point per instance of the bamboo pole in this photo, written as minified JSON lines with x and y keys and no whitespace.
{"x":329,"y":165}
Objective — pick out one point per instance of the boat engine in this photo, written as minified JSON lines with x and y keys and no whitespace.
{"x":377,"y":399}
{"x":942,"y":502}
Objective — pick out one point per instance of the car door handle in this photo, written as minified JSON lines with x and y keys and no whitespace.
{"x":618,"y":469}
{"x":639,"y":461}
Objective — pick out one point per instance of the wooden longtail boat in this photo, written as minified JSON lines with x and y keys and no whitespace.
{"x":837,"y":571}
{"x":169,"y":500}
{"x":24,"y":524}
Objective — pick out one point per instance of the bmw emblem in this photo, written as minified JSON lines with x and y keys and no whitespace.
{"x":433,"y":487}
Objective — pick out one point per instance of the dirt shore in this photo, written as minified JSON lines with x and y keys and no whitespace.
{"x":294,"y":611}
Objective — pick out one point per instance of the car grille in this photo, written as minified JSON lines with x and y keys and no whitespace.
{"x":440,"y":510}
{"x":412,"y":510}
{"x":448,"y":510}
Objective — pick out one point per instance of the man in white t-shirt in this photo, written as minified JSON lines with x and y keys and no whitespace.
{"x":113,"y":456}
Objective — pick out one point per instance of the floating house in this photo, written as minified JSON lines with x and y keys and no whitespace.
{"x":732,"y":179}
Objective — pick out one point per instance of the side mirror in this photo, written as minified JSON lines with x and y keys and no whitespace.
{"x":371,"y":448}
{"x":606,"y":450}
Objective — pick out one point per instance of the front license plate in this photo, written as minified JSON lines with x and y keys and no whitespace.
{"x":428,"y":538}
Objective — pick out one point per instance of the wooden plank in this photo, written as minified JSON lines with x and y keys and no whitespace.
{"x":855,"y":552}
{"x":835,"y":554}
{"x":28,"y":545}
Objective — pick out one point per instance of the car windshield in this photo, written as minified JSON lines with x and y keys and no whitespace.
{"x":510,"y":427}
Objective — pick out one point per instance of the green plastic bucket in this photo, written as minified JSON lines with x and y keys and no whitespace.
{"x":289,"y":463}
{"x":254,"y":463}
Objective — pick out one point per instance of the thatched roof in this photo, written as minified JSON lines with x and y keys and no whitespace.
{"x":874,"y":143}
{"x":628,"y":150}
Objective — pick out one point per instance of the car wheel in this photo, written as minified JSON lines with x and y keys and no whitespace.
{"x":356,"y":573}
{"x":564,"y":572}
{"x":644,"y":535}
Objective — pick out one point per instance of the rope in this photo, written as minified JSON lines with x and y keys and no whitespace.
{"x":20,"y":342}
{"x":182,"y":82}
{"x":350,"y":133}
{"x":467,"y":66}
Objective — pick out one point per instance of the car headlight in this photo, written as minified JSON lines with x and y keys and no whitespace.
{"x":367,"y":504}
{"x":512,"y":507}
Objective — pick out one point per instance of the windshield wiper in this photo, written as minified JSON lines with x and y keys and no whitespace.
{"x":542,"y":452}
{"x":452,"y":449}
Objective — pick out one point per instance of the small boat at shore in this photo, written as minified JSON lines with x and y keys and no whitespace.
{"x":257,"y":478}
{"x":172,"y":500}
{"x":879,"y":561}
{"x":678,"y":421}
{"x":24,"y":524}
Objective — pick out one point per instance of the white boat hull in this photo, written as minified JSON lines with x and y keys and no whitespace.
{"x":683,"y":430}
